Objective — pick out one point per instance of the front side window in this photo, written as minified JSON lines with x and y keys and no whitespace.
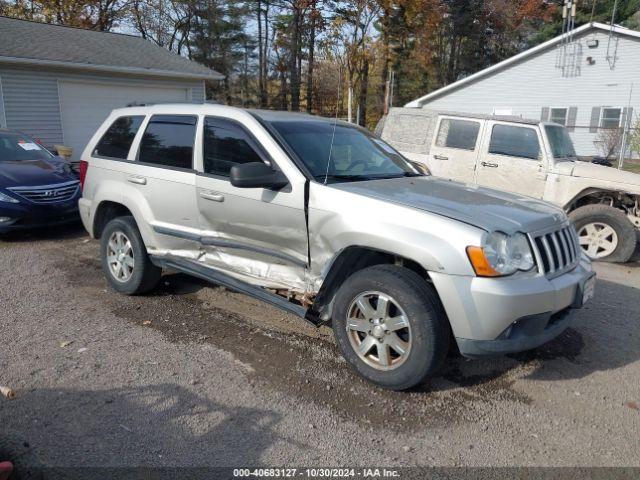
{"x":610,"y":118}
{"x":116,"y":141}
{"x":15,"y":147}
{"x":461,"y":134}
{"x":225,"y":145}
{"x":342,"y":152}
{"x":168,"y":141}
{"x":514,"y":142}
{"x":558,"y":115}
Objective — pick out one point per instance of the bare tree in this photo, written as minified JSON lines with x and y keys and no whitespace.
{"x":167,"y":23}
{"x":608,"y":141}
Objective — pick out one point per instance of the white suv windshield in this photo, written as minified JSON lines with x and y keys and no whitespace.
{"x":560,"y":142}
{"x":346,"y":154}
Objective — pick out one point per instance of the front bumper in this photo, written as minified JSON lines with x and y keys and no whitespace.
{"x":26,"y":216}
{"x":494,"y":316}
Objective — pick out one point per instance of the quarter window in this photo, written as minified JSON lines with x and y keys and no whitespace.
{"x":514,"y":142}
{"x":610,"y":118}
{"x":225,"y":145}
{"x":168,"y":141}
{"x":460,"y":134}
{"x":116,"y":142}
{"x":558,"y":115}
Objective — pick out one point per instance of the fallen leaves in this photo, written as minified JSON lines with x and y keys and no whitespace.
{"x":7,"y":392}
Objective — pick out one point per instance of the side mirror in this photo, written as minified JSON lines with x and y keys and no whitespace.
{"x":257,"y":175}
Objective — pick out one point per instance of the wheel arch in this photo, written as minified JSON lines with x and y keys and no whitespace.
{"x":593,"y":195}
{"x":351,"y":260}
{"x":106,"y":211}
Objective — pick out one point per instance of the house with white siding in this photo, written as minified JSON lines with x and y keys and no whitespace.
{"x":583,"y":79}
{"x":58,"y":84}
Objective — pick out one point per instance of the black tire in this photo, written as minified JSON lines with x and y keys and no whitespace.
{"x":429,"y":326}
{"x":145,"y":275}
{"x":614,"y":218}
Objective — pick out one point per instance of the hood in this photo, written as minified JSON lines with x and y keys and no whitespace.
{"x":600,"y":172}
{"x":482,"y":207}
{"x":30,"y":173}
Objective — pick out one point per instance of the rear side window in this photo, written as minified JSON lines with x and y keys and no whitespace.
{"x":225,"y":145}
{"x":116,"y":142}
{"x":168,"y":141}
{"x":515,"y":142}
{"x":461,"y":134}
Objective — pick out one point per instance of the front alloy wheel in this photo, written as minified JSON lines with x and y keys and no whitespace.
{"x":379,"y":330}
{"x":598,"y":240}
{"x":605,"y":233}
{"x":390,"y":326}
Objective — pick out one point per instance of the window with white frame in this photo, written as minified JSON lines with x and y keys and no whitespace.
{"x":610,"y":117}
{"x":558,"y":115}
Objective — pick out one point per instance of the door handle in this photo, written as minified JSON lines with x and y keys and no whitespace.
{"x":214,"y":197}
{"x":137,"y":180}
{"x":440,"y":157}
{"x":489,"y":165}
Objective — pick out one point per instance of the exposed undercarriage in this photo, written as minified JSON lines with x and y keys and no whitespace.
{"x":626,"y":202}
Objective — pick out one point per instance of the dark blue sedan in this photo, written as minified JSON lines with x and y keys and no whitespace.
{"x":36,"y":188}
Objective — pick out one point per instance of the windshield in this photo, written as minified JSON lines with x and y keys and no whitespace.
{"x":16,"y":147}
{"x":355,"y":154}
{"x":560,"y":141}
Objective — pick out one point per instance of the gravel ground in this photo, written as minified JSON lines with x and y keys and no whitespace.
{"x":194,"y":375}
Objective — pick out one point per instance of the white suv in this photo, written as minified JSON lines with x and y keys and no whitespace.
{"x":324,"y":220}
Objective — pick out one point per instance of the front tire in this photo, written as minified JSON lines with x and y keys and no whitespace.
{"x":390,"y":326}
{"x":605,"y":233}
{"x":125,"y":261}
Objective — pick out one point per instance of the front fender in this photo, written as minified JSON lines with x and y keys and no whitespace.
{"x":339,"y":220}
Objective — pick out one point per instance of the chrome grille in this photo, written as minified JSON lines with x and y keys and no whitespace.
{"x":557,"y":251}
{"x":60,"y":192}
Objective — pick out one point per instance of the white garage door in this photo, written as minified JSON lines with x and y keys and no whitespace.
{"x":84,"y":106}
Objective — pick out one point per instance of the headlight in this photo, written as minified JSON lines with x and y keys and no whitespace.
{"x":7,"y":198}
{"x":501,"y":255}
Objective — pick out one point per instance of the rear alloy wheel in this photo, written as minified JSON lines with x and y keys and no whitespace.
{"x":125,"y":261}
{"x":120,"y":257}
{"x":605,"y":233}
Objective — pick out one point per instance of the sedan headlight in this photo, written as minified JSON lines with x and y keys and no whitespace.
{"x":501,"y":255}
{"x":7,"y":198}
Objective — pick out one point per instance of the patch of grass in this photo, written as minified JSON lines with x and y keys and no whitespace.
{"x":629,"y":166}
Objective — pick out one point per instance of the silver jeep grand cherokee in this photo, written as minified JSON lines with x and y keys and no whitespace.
{"x":324,"y":220}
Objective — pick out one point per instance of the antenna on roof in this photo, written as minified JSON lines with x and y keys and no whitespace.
{"x":569,"y":50}
{"x":335,"y":124}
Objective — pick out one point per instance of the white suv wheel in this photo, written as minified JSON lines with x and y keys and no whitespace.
{"x":598,"y":240}
{"x":120,"y":256}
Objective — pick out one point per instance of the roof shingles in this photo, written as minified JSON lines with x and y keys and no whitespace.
{"x":26,"y":40}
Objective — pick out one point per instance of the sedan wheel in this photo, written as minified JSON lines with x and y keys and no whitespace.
{"x":598,"y":240}
{"x":120,"y":257}
{"x":378,"y":330}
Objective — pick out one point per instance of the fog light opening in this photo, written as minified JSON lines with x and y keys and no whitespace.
{"x":5,"y":219}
